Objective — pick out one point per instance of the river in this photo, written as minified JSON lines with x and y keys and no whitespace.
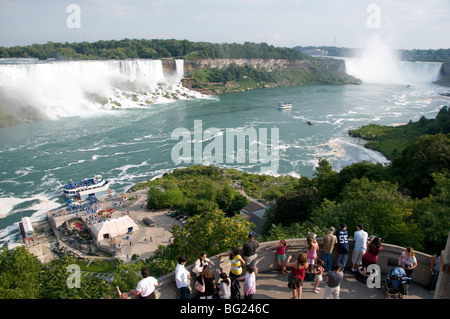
{"x":136,"y":143}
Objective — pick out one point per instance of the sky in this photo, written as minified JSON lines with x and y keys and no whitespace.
{"x":402,"y":24}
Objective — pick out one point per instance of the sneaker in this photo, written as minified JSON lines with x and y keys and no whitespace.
{"x":316,"y":291}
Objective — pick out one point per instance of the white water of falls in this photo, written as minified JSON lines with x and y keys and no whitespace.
{"x":381,"y":65}
{"x":76,"y":88}
{"x":393,"y":72}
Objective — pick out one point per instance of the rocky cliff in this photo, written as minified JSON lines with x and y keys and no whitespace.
{"x":333,"y":65}
{"x":278,"y":72}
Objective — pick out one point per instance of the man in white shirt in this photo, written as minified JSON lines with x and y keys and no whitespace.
{"x":182,"y":277}
{"x":360,"y":237}
{"x":145,"y":288}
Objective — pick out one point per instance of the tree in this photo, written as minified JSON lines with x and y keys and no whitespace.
{"x":413,"y":169}
{"x":382,"y":209}
{"x":326,"y":180}
{"x":373,"y":171}
{"x":54,"y":282}
{"x":432,"y":214}
{"x":211,"y":231}
{"x":292,"y":207}
{"x":230,"y":201}
{"x":19,"y":274}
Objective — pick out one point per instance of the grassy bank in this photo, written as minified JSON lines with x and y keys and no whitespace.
{"x":392,"y":140}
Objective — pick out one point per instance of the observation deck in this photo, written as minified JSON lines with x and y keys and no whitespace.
{"x":271,"y":284}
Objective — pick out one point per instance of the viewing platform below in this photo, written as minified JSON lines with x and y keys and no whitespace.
{"x":271,"y":284}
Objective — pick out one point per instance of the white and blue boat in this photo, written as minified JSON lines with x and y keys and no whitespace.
{"x":88,"y":188}
{"x":282,"y":105}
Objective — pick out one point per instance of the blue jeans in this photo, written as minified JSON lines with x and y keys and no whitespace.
{"x":342,"y":259}
{"x":433,"y":280}
{"x":185,"y":293}
{"x":326,"y":257}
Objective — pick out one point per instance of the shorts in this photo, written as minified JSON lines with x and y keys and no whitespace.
{"x":311,"y":261}
{"x":297,"y":284}
{"x":281,"y":257}
{"x":357,"y":256}
{"x":318,"y":278}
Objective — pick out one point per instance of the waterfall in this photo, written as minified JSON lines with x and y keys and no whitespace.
{"x":179,"y":69}
{"x":385,"y":71}
{"x":73,"y":88}
{"x":378,"y":63}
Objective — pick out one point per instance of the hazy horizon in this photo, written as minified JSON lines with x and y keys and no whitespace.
{"x":402,"y":24}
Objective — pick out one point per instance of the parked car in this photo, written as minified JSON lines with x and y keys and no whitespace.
{"x":147,"y":221}
{"x":183,"y":218}
{"x":180,"y":216}
{"x":175,"y":214}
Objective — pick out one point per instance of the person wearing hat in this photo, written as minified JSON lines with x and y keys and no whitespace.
{"x":342,"y":236}
{"x":249,"y":250}
{"x":327,"y":245}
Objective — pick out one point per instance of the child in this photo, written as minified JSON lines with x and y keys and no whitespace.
{"x":225,"y":285}
{"x":318,"y":270}
{"x":249,"y":282}
{"x":281,"y":255}
{"x":311,"y":253}
{"x":122,"y":295}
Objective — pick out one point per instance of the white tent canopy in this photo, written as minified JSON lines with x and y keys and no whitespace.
{"x":113,"y":228}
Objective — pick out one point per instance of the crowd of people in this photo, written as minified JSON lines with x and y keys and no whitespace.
{"x":242,"y":267}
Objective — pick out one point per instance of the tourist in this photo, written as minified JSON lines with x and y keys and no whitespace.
{"x":295,"y":282}
{"x":311,"y":251}
{"x":281,"y":255}
{"x":249,"y":250}
{"x":122,"y":295}
{"x":435,"y":268}
{"x":236,"y":264}
{"x":408,"y":261}
{"x":371,"y":255}
{"x":327,"y":244}
{"x":201,"y":262}
{"x":334,"y":279}
{"x":318,"y":271}
{"x":145,"y":288}
{"x":224,"y":285}
{"x":342,"y":237}
{"x":205,"y":284}
{"x":359,"y":249}
{"x":182,"y":277}
{"x":249,"y":282}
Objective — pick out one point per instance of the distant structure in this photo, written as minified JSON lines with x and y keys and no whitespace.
{"x":27,"y":231}
{"x":112,"y":228}
{"x":254,"y":212}
{"x":316,"y":52}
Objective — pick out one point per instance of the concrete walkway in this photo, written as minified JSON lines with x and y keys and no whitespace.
{"x":273,"y":285}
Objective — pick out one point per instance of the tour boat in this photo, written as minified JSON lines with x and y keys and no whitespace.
{"x":284,"y":105}
{"x":96,"y":186}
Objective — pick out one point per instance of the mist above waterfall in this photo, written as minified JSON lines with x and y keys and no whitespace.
{"x":77,"y":88}
{"x":378,"y":63}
